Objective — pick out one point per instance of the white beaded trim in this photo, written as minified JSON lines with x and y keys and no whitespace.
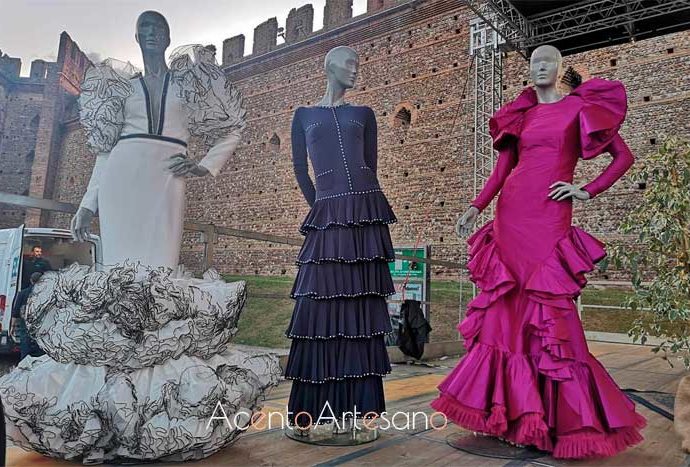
{"x":342,"y":148}
{"x":350,"y":193}
{"x":357,"y":123}
{"x":335,"y":378}
{"x":343,"y":260}
{"x":354,"y":223}
{"x":312,"y":126}
{"x":324,"y":173}
{"x":315,"y":338}
{"x":365,"y":167}
{"x":329,"y":297}
{"x":342,"y":104}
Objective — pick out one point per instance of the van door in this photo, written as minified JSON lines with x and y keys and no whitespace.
{"x":10,"y":270}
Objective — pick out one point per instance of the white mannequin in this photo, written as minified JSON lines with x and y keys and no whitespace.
{"x":153,"y":36}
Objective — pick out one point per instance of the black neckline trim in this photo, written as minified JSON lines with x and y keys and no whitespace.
{"x":164,"y":94}
{"x":147,"y":97}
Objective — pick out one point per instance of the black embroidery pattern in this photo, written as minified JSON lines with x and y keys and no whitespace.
{"x":215,"y":106}
{"x":104,"y":90}
{"x":137,"y":362}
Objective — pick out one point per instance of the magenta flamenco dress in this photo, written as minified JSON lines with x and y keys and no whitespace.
{"x":528,"y":375}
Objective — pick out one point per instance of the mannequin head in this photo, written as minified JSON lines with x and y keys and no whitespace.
{"x":342,"y":64}
{"x":153,"y":33}
{"x":545,"y":66}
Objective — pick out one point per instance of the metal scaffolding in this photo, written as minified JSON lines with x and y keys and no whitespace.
{"x":500,"y":26}
{"x":488,"y":95}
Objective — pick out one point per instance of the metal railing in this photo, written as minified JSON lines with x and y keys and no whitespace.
{"x":210,"y":234}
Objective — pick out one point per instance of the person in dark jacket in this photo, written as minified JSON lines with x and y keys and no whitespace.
{"x":27,"y":345}
{"x":35,"y":263}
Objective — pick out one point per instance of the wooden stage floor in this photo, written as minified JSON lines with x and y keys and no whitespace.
{"x":412,"y":387}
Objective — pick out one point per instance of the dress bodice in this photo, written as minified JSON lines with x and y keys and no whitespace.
{"x":171,"y":123}
{"x":341,"y":143}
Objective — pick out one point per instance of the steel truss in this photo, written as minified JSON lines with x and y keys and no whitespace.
{"x":501,"y":26}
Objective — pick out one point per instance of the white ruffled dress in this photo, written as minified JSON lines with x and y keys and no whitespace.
{"x":138,"y":355}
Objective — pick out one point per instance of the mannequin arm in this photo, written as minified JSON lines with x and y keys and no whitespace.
{"x":299,"y":161}
{"x":218,"y":155}
{"x":622,"y":160}
{"x":507,"y":160}
{"x":370,"y":142}
{"x":90,"y":199}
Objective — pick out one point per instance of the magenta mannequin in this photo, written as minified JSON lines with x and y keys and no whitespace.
{"x":528,"y":376}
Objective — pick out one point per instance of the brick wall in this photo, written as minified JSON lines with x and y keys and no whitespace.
{"x":22,"y":106}
{"x":425,"y":168}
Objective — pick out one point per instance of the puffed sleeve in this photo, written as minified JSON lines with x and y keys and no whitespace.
{"x":104,"y":90}
{"x":101,"y":105}
{"x":604,"y":106}
{"x":505,"y":127}
{"x":506,"y":124}
{"x":215,"y":107}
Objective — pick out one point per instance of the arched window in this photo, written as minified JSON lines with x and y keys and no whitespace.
{"x":274,"y":143}
{"x":403,"y":118}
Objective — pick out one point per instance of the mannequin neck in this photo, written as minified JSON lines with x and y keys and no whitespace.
{"x":154,"y":63}
{"x":548,"y":94}
{"x":335,"y":94}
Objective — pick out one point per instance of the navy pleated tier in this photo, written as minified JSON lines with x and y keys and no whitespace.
{"x":338,"y":353}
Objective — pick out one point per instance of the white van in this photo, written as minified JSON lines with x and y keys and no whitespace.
{"x":16,"y":245}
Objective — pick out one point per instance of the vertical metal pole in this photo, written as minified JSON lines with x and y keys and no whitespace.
{"x":488,"y":96}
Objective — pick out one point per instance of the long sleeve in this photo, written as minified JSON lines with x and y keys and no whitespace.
{"x":507,"y":160}
{"x":90,"y":199}
{"x":299,"y":160}
{"x":622,"y":160}
{"x":370,"y":141}
{"x":220,"y":152}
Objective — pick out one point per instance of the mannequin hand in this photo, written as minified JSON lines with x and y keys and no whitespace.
{"x":13,"y":327}
{"x":564,"y":190}
{"x":466,"y":222}
{"x":180,"y":166}
{"x":80,"y":225}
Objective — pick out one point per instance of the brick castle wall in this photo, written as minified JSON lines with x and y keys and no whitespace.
{"x":426,"y":168}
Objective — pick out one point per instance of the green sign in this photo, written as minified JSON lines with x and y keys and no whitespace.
{"x":400,"y":268}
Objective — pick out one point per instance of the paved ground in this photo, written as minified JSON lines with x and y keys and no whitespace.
{"x":411,"y":387}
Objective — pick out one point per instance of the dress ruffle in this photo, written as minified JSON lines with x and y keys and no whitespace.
{"x":335,"y":398}
{"x":137,"y":360}
{"x":131,"y":317}
{"x":338,"y":354}
{"x":160,"y":413}
{"x":603,"y":109}
{"x":337,"y":280}
{"x":342,"y":244}
{"x":343,"y":317}
{"x":349,"y":211}
{"x":320,"y":360}
{"x":524,"y":392}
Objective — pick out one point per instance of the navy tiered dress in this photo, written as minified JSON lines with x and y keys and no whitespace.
{"x":338,"y":354}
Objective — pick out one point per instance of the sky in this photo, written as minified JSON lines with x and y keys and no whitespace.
{"x":30,"y":29}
